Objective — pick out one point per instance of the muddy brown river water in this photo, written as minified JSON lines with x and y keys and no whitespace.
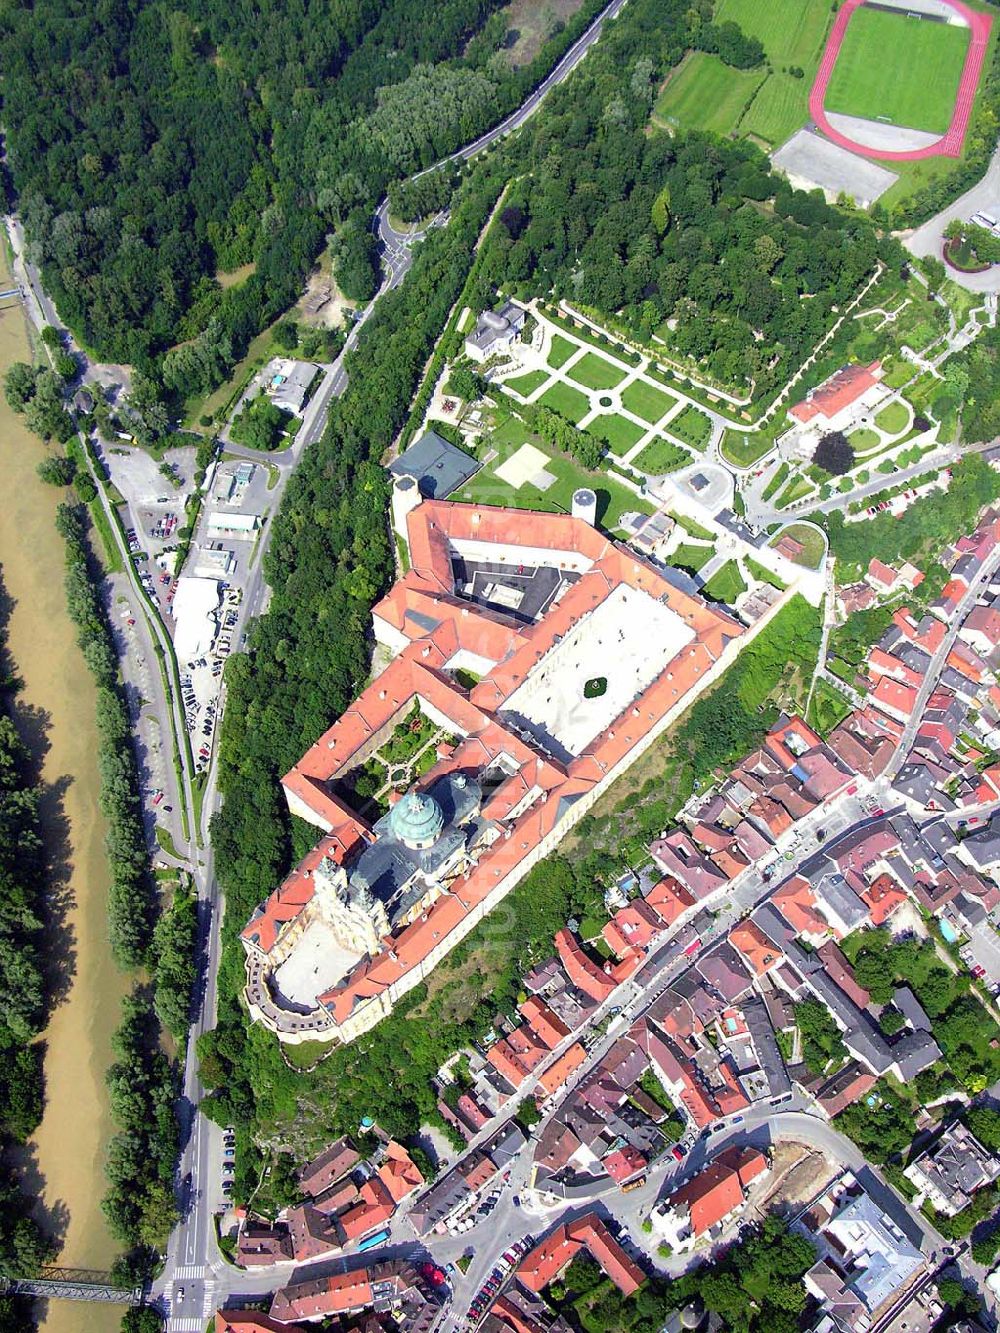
{"x":68,"y":1149}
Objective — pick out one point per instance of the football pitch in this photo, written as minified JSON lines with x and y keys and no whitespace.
{"x":899,"y":69}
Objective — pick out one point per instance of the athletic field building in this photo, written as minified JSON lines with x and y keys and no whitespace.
{"x":532,"y":660}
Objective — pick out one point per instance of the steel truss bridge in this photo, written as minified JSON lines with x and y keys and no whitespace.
{"x":72,"y":1284}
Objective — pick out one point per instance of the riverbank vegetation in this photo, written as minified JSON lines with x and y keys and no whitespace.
{"x":131,"y":895}
{"x":23,"y":994}
{"x":139,"y":1204}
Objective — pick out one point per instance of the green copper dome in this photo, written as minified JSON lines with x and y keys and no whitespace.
{"x":416,"y":820}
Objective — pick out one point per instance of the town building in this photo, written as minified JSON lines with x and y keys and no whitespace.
{"x":495,"y":331}
{"x":867,"y":1257}
{"x":950,"y":1172}
{"x":583,"y":652}
{"x":288,"y":384}
{"x":704,"y":1206}
{"x":835,"y":403}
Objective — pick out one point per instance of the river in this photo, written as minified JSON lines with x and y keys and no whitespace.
{"x":68,"y":1149}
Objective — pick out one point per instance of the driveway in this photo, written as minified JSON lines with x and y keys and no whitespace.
{"x":927,"y":240}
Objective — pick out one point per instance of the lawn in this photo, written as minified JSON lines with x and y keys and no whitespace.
{"x":613,"y":499}
{"x":594,"y":372}
{"x":864,"y":439}
{"x":692,"y":426}
{"x":726,"y":584}
{"x":793,"y":33}
{"x":810,"y":540}
{"x":526,"y":385}
{"x":705,"y":94}
{"x":896,"y":68}
{"x":647,"y":402}
{"x":618,"y":433}
{"x":567,"y":401}
{"x":561,"y":351}
{"x":893,"y":418}
{"x":660,"y":456}
{"x":764,"y":575}
{"x":776,"y":481}
{"x":689,"y":556}
{"x":797,"y":489}
{"x":744,"y":450}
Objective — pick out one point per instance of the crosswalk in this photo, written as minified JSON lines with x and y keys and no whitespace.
{"x":188,"y":1314}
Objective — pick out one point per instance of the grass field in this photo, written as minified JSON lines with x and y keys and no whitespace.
{"x":809,"y":539}
{"x":726,"y":584}
{"x":897,"y":68}
{"x":768,"y":103}
{"x":617,"y":432}
{"x":594,"y":372}
{"x":793,"y":33}
{"x":660,"y":456}
{"x":742,"y":450}
{"x":613,"y":500}
{"x":864,"y":439}
{"x":560,"y":351}
{"x":527,"y":384}
{"x":892,"y":419}
{"x":691,"y":426}
{"x":647,"y":402}
{"x":705,"y":94}
{"x":568,"y":402}
{"x":691,"y":557}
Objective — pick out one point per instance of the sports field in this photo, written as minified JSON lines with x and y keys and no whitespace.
{"x":897,"y":68}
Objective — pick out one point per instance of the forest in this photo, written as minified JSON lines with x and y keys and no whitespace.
{"x":153,"y":145}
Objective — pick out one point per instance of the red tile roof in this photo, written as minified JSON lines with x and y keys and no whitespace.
{"x":842,"y":388}
{"x":548,"y":1259}
{"x":720,"y":1188}
{"x":416,"y":674}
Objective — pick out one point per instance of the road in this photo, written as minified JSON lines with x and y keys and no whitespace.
{"x":929,"y":239}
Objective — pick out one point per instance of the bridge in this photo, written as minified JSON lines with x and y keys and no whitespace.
{"x":72,"y":1284}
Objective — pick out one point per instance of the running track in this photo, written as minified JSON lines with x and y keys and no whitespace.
{"x":950,"y":144}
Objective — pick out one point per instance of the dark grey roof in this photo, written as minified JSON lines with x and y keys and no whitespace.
{"x":938,"y":836}
{"x":912,"y":656}
{"x":723,"y":969}
{"x":914,"y":1053}
{"x":397,"y":875}
{"x":983,"y":846}
{"x":438,"y":466}
{"x":966,"y":567}
{"x":911,"y":1009}
{"x":834,"y":892}
{"x":762,"y":1033}
{"x":951,"y":679}
{"x":915,"y":781}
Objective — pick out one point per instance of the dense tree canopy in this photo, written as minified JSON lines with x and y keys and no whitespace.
{"x":153,"y":144}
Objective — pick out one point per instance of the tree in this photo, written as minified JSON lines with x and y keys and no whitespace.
{"x":464,"y":383}
{"x":57,"y":470}
{"x":834,"y":453}
{"x":141,"y":1320}
{"x":286,"y":335}
{"x":19,"y":385}
{"x":935,"y":273}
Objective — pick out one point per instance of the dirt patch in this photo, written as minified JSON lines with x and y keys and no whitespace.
{"x":322,"y":305}
{"x":237,"y":276}
{"x":530,"y":25}
{"x":798,"y":1173}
